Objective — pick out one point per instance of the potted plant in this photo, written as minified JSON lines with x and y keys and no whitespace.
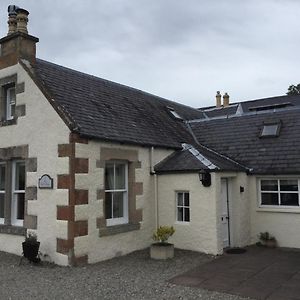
{"x":162,"y":249}
{"x":31,"y":247}
{"x":267,"y":240}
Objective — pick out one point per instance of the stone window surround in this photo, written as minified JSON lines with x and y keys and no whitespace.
{"x":20,"y":109}
{"x":134,"y":189}
{"x":7,"y":155}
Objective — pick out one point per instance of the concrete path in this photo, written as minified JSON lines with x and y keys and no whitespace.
{"x":260,"y":273}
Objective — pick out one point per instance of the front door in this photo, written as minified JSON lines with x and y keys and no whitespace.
{"x":225,"y":213}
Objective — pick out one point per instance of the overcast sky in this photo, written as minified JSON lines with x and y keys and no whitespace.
{"x":181,"y":50}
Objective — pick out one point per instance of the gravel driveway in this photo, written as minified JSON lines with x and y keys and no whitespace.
{"x":134,"y":276}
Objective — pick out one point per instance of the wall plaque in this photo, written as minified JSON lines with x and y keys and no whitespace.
{"x":46,"y":182}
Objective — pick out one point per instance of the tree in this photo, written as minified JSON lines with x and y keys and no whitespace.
{"x":293,"y":90}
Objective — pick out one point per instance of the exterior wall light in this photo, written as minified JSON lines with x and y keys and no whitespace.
{"x":205,"y":178}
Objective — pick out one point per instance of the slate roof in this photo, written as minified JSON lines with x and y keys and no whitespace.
{"x":238,"y":138}
{"x":110,"y":111}
{"x":285,"y":101}
{"x":185,"y":161}
{"x":220,"y":111}
{"x":101,"y":109}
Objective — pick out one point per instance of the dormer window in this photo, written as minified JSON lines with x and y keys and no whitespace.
{"x":271,"y":129}
{"x":173,"y":112}
{"x":10,"y":102}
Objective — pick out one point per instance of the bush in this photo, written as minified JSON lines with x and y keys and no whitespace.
{"x":266,"y":236}
{"x":163,"y":233}
{"x":31,"y":238}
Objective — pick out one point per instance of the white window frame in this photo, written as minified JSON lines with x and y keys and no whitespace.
{"x":124,"y":219}
{"x":14,"y":220}
{"x":3,"y":192}
{"x":279,"y":206}
{"x":183,"y":206}
{"x":9,"y":104}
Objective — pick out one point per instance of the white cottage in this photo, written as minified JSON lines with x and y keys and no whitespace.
{"x":93,"y":167}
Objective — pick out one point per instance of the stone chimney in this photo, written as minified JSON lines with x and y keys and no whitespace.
{"x":18,"y":44}
{"x":218,"y":99}
{"x":226,"y":100}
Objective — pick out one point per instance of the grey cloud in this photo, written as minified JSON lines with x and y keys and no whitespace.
{"x":182,"y":50}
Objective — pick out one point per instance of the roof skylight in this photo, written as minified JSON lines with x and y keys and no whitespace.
{"x":270,"y":129}
{"x":173,"y":112}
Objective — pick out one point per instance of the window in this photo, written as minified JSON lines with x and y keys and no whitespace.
{"x":2,"y":192}
{"x":14,"y":197}
{"x":279,"y":192}
{"x":116,"y":193}
{"x":270,"y":130}
{"x":18,"y":193}
{"x":10,"y":103}
{"x":173,"y":112}
{"x":183,"y":206}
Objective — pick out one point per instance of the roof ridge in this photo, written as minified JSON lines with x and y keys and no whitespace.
{"x":206,"y":162}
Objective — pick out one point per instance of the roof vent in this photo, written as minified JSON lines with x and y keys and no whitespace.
{"x":270,"y":106}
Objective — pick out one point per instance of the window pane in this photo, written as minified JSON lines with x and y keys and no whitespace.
{"x":269,"y":199}
{"x":2,"y":178}
{"x":269,"y":185}
{"x":289,"y":185}
{"x":270,"y":130}
{"x":120,"y":176}
{"x":289,"y":199}
{"x":186,"y":214}
{"x":20,"y":176}
{"x":2,"y":205}
{"x":118,"y":207}
{"x":109,"y":176}
{"x":108,"y":205}
{"x":20,"y":205}
{"x":12,"y":96}
{"x":180,"y":214}
{"x":179,"y":199}
{"x":187,"y":199}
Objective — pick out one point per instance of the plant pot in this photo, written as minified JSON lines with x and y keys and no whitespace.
{"x":162,"y":251}
{"x":270,"y":244}
{"x":31,"y":251}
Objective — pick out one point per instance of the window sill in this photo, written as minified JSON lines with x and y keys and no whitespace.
{"x":292,"y":210}
{"x":117,"y":229}
{"x":182,"y":223}
{"x":14,"y":230}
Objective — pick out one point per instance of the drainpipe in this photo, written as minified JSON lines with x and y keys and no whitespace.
{"x":152,"y":172}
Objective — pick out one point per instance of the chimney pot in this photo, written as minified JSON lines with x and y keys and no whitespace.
{"x":218,"y":99}
{"x":226,"y":100}
{"x":12,"y":19}
{"x":22,"y":20}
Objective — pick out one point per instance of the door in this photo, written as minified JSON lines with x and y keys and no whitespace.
{"x":225,"y":213}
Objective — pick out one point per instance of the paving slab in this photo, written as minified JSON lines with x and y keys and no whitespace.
{"x":259,"y":273}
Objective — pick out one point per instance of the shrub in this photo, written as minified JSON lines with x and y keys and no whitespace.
{"x":163,"y":233}
{"x":266,"y":236}
{"x":31,"y":238}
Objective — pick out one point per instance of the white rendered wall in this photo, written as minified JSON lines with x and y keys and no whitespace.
{"x":42,"y":129}
{"x":102,"y":248}
{"x":284,"y":224}
{"x":200,"y":234}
